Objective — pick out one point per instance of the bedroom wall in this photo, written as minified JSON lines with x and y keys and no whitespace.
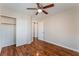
{"x":24,"y":30}
{"x":63,"y":28}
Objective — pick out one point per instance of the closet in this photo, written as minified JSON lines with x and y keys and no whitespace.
{"x":7,"y":31}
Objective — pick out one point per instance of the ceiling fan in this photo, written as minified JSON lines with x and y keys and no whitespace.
{"x":40,"y":8}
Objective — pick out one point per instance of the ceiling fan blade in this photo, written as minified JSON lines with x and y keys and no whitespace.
{"x":45,"y":12}
{"x":36,"y":13}
{"x":32,"y":8}
{"x":48,"y":6}
{"x":38,"y":5}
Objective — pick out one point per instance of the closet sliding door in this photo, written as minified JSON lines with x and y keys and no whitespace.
{"x":7,"y":31}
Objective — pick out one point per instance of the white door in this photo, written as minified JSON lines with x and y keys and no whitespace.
{"x":40,"y":30}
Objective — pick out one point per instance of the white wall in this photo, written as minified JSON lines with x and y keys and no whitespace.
{"x":77,"y":27}
{"x":23,"y":26}
{"x":63,"y":28}
{"x":24,"y":30}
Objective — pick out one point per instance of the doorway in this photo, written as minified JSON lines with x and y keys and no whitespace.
{"x":37,"y":30}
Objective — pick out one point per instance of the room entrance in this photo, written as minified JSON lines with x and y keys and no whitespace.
{"x":37,"y":30}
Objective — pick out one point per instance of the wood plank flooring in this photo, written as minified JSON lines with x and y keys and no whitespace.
{"x":8,"y":51}
{"x":37,"y":48}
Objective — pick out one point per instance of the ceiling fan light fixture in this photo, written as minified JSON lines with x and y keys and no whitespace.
{"x":39,"y":10}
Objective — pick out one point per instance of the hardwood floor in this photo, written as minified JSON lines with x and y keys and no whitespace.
{"x":8,"y":51}
{"x":37,"y":48}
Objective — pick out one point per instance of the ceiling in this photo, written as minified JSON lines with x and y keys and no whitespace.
{"x":21,"y":7}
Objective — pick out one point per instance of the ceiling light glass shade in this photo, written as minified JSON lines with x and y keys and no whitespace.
{"x":39,"y":10}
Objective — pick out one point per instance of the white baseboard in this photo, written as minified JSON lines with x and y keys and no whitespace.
{"x":62,"y":46}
